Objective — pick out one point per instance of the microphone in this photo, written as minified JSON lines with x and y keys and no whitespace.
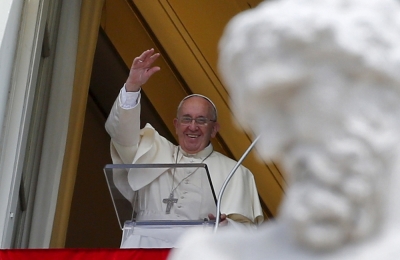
{"x":218,"y":217}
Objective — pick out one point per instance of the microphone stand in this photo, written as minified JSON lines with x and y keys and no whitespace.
{"x":218,"y":216}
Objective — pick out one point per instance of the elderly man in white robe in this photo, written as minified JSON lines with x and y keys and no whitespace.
{"x":195,"y":124}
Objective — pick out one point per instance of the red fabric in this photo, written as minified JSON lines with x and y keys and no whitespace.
{"x":84,"y":254}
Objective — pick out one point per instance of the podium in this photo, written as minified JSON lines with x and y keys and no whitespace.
{"x":156,"y":203}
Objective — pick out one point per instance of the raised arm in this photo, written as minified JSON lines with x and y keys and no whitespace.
{"x":123,"y":123}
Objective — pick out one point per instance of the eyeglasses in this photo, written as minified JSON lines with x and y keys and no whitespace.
{"x":187,"y":120}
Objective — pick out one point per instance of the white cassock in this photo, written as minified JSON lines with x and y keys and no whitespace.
{"x":130,"y":144}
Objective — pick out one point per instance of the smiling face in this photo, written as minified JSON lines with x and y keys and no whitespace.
{"x":192,"y":137}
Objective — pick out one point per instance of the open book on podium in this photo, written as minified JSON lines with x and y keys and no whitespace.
{"x":156,"y":203}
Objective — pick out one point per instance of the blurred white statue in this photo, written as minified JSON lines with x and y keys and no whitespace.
{"x":320,"y":81}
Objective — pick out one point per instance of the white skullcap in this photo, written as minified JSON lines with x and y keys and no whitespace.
{"x":206,"y":98}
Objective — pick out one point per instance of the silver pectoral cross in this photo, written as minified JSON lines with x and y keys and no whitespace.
{"x":169,"y":201}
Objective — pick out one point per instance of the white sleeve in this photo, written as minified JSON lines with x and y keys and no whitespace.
{"x":128,"y":100}
{"x":240,"y":225}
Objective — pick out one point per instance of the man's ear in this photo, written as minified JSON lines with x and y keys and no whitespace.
{"x":215,"y":129}
{"x":175,"y":122}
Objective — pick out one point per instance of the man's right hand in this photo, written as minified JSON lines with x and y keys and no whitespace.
{"x":141,"y":70}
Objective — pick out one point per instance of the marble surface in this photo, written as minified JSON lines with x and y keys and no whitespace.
{"x":319,"y":80}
